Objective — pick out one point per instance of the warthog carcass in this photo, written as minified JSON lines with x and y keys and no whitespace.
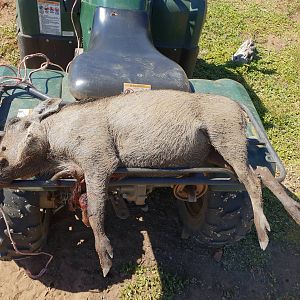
{"x":147,"y":129}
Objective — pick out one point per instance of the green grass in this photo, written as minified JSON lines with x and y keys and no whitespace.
{"x":248,"y":253}
{"x":149,"y":283}
{"x":8,"y":44}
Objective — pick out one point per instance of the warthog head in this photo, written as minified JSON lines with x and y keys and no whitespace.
{"x":23,"y":146}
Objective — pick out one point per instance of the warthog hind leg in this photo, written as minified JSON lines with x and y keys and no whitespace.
{"x":290,"y":205}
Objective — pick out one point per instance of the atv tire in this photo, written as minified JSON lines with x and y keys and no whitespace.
{"x":28,"y":224}
{"x":220,"y":218}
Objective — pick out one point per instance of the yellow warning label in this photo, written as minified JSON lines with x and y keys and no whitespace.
{"x":135,"y":87}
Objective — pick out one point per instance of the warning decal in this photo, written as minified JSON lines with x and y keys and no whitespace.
{"x":135,"y":87}
{"x":49,"y":17}
{"x":23,"y":112}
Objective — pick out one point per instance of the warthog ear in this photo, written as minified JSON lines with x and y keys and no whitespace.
{"x":31,"y":145}
{"x":47,"y":108}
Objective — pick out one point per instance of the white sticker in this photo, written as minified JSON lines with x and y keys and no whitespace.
{"x":68,"y":33}
{"x":23,"y":112}
{"x":135,"y":87}
{"x":49,"y":17}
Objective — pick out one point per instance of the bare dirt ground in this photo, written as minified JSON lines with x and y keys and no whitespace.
{"x":149,"y":238}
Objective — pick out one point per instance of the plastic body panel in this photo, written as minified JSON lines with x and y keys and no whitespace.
{"x":28,"y":19}
{"x":176,"y":27}
{"x":59,"y":48}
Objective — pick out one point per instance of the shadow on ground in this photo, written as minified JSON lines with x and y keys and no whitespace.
{"x":244,"y":273}
{"x":75,"y":266}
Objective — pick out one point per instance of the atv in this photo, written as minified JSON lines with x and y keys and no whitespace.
{"x":78,"y":49}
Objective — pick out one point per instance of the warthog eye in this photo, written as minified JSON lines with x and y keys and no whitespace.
{"x":27,"y":124}
{"x":3,"y":148}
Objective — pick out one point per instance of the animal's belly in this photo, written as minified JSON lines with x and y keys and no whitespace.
{"x":175,"y":151}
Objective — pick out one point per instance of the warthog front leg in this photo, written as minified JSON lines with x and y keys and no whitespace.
{"x":96,"y":186}
{"x":97,"y":198}
{"x":102,"y":244}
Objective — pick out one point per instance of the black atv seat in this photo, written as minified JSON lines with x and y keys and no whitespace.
{"x":121,"y":51}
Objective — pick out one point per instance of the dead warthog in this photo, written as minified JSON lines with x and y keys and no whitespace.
{"x":148,"y":129}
